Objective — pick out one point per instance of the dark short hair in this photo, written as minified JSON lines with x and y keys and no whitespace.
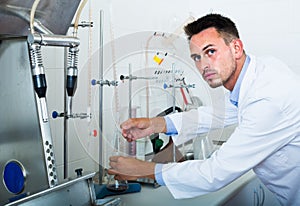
{"x":224,"y":26}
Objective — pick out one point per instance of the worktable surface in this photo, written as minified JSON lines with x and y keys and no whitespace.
{"x":150,"y":196}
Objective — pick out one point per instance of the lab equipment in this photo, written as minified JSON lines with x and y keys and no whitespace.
{"x":23,"y":127}
{"x":29,"y":173}
{"x":35,"y":41}
{"x":101,"y":83}
{"x":102,"y":190}
{"x":178,"y":86}
{"x":114,"y":185}
{"x":55,"y":114}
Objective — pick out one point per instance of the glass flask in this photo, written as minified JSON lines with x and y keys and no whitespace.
{"x":113,"y":184}
{"x":116,"y":185}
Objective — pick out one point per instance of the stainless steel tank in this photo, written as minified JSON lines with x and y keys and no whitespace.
{"x":54,"y":15}
{"x":20,"y":130}
{"x":27,"y":163}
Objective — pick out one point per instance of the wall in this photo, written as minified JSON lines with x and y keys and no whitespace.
{"x":266,"y":27}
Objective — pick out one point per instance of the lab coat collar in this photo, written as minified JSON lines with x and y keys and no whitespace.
{"x":234,"y":95}
{"x":248,"y":79}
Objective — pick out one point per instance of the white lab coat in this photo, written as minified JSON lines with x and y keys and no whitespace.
{"x":266,"y":139}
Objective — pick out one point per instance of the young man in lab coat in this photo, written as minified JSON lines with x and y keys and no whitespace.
{"x":264,"y":102}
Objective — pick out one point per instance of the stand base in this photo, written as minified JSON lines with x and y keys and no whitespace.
{"x":101,"y":190}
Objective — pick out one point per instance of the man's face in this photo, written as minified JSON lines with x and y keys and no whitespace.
{"x":213,"y":58}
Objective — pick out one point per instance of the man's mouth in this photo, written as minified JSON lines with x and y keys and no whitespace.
{"x":209,"y":75}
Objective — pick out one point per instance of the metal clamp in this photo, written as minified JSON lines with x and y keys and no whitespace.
{"x":179,"y":86}
{"x":55,"y":114}
{"x":104,"y":82}
{"x":84,"y":24}
{"x":130,"y":77}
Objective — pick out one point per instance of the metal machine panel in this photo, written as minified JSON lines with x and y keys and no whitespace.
{"x":79,"y":191}
{"x":55,"y":15}
{"x":20,"y":131}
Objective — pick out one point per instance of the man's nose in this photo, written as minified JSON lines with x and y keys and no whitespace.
{"x":203,"y":65}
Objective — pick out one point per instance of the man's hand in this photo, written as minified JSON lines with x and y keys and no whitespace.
{"x":128,"y":168}
{"x":136,"y":128}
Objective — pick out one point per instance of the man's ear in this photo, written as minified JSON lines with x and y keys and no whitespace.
{"x":238,"y":48}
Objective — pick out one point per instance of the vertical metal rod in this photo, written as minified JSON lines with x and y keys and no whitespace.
{"x":101,"y":170}
{"x":130,"y":92}
{"x":174,"y":102}
{"x":66,"y":152}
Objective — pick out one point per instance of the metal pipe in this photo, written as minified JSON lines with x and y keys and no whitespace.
{"x":53,"y":40}
{"x":32,"y":13}
{"x":71,"y":71}
{"x":101,"y":169}
{"x":66,"y":109}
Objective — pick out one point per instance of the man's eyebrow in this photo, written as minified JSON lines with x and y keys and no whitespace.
{"x":193,"y":55}
{"x":204,"y":48}
{"x":209,"y":45}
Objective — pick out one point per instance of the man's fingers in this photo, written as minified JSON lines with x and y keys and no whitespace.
{"x":119,"y":176}
{"x":113,"y":158}
{"x":128,"y":124}
{"x":112,"y":172}
{"x":124,"y":177}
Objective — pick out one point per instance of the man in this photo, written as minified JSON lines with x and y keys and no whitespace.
{"x":264,"y":92}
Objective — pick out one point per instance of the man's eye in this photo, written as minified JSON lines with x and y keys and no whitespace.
{"x":196,"y":58}
{"x":211,"y":51}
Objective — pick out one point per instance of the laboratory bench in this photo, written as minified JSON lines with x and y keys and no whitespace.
{"x":246,"y":190}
